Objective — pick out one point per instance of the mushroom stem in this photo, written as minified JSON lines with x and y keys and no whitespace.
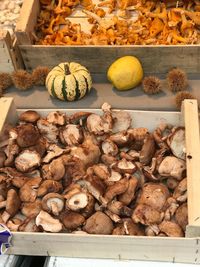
{"x":54,"y":208}
{"x":2,"y":203}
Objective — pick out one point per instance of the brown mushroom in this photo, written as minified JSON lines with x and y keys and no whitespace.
{"x":76,"y":199}
{"x":71,"y":135}
{"x":108,"y":159}
{"x":181,"y":216}
{"x":27,"y":160}
{"x":146,"y":215}
{"x":154,"y":195}
{"x":180,"y":192}
{"x":89,"y":209}
{"x":98,"y":223}
{"x":16,"y":178}
{"x":48,"y":223}
{"x":148,"y":150}
{"x":28,"y":192}
{"x":172,"y":167}
{"x":171,"y":229}
{"x":30,"y":116}
{"x":114,"y":217}
{"x":129,"y":194}
{"x":152,"y":230}
{"x":12,"y":205}
{"x":74,"y":168}
{"x":11,"y":151}
{"x":49,"y":186}
{"x":122,"y":121}
{"x":27,"y":135}
{"x":53,"y":151}
{"x":14,"y":224}
{"x":101,"y":170}
{"x":48,"y":130}
{"x":99,"y":125}
{"x":176,"y":142}
{"x":121,"y":138}
{"x":124,"y":166}
{"x":53,"y":203}
{"x":109,"y":147}
{"x":72,"y":220}
{"x":55,"y":170}
{"x":31,"y":208}
{"x":119,"y":208}
{"x":56,"y":117}
{"x":29,"y":225}
{"x":117,"y":188}
{"x":40,"y":147}
{"x":2,"y":158}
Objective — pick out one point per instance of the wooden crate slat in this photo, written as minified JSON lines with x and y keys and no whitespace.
{"x":155,"y":59}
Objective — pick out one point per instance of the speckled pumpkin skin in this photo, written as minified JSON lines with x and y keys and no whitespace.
{"x":68,"y":81}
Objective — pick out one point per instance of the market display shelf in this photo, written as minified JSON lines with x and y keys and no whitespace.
{"x":170,"y":249}
{"x":154,"y":58}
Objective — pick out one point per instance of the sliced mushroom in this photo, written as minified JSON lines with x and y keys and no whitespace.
{"x":94,"y":185}
{"x":124,"y":166}
{"x":88,"y":152}
{"x":53,"y":203}
{"x":55,"y":170}
{"x":146,"y":215}
{"x":99,"y":125}
{"x":53,"y":151}
{"x":98,"y":223}
{"x":121,"y":138}
{"x":148,"y":150}
{"x":49,"y":186}
{"x":176,"y":142}
{"x":12,"y":205}
{"x":109,"y":147}
{"x":122,"y":121}
{"x":28,"y":192}
{"x":129,"y":194}
{"x":171,"y":229}
{"x":172,"y":167}
{"x":71,"y":135}
{"x":117,"y":188}
{"x":27,"y":160}
{"x":31,"y":208}
{"x":48,"y":223}
{"x":29,"y":116}
{"x":48,"y":130}
{"x":72,"y":220}
{"x":56,"y":117}
{"x":154,"y":195}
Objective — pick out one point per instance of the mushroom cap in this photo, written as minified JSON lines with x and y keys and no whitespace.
{"x":109,"y":147}
{"x":2,"y":158}
{"x":31,"y":208}
{"x":181,"y":216}
{"x":98,"y":223}
{"x":27,"y":160}
{"x":29,"y":116}
{"x":171,"y":229}
{"x":146,"y":215}
{"x":71,"y":135}
{"x":117,"y":188}
{"x":53,"y":203}
{"x":57,"y":169}
{"x":72,"y":220}
{"x":48,"y":130}
{"x":154,"y":195}
{"x":48,"y":223}
{"x":56,"y":117}
{"x":49,"y":186}
{"x":13,"y":202}
{"x":177,"y":143}
{"x":28,"y":192}
{"x":27,"y":135}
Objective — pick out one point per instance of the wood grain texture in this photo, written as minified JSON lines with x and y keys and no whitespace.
{"x":155,"y":59}
{"x":115,"y":247}
{"x":191,"y":118}
{"x":27,"y":21}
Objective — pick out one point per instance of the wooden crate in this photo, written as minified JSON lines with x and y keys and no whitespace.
{"x":10,"y":56}
{"x":126,"y":247}
{"x":155,"y":59}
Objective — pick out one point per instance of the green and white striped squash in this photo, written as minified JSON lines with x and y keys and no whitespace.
{"x":68,"y":81}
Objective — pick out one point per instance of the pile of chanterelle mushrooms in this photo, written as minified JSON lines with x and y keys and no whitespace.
{"x":96,"y":174}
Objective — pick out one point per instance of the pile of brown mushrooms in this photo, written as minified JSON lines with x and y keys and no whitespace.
{"x":93,"y":174}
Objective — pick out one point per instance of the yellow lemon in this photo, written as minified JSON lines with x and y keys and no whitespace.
{"x":125,"y":73}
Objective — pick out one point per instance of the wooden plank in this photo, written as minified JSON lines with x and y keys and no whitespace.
{"x":191,"y":118}
{"x":27,"y":21}
{"x":155,"y":59}
{"x":124,"y":247}
{"x":6,"y":63}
